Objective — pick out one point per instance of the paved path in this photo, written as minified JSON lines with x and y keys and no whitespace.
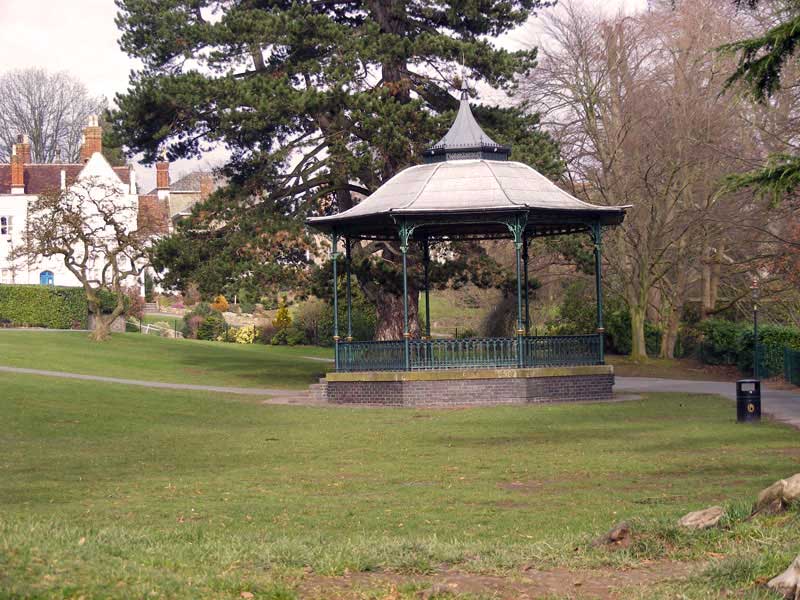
{"x":285,"y":395}
{"x":780,"y":404}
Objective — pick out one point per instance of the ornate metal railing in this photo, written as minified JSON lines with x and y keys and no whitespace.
{"x":472,"y":353}
{"x":468,"y":353}
{"x":563,"y":350}
{"x":371,"y":356}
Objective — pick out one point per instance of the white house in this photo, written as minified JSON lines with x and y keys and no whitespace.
{"x":22,"y":181}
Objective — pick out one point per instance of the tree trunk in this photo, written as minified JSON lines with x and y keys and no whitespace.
{"x":716,"y":269}
{"x":705,"y":272}
{"x":638,"y":345}
{"x":390,"y":314}
{"x":670,"y":336}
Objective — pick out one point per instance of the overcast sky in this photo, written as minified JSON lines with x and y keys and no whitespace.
{"x":80,"y":36}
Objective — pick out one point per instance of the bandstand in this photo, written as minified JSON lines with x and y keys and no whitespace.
{"x":467,"y":189}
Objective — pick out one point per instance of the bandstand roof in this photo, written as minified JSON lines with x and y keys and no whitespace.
{"x":468,"y":189}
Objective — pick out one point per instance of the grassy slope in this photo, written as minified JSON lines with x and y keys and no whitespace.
{"x":118,"y":491}
{"x":135,"y":356}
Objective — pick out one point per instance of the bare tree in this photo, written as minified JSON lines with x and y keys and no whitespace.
{"x":50,"y":108}
{"x":93,"y":229}
{"x":635,"y":102}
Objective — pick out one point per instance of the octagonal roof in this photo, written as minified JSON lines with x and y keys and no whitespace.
{"x":468,"y":188}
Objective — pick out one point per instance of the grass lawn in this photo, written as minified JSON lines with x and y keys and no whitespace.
{"x":149,"y":357}
{"x":116,"y":491}
{"x":672,"y":368}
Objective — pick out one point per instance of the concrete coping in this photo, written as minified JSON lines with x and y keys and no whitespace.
{"x":461,"y":374}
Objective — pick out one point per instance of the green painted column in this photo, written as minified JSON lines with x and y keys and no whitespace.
{"x":334,"y":258}
{"x":349,"y":293}
{"x":525,"y":241}
{"x":427,"y":259}
{"x":405,"y":234}
{"x":517,"y":229}
{"x":597,"y":236}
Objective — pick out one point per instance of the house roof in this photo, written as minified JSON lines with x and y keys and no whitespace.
{"x":41,"y":178}
{"x":191,"y":182}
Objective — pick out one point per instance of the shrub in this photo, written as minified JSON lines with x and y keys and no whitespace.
{"x":194,"y":319}
{"x":619,"y":333}
{"x":309,"y":318}
{"x":289,"y":336}
{"x":211,"y":327}
{"x":283,"y":319}
{"x":245,"y":335}
{"x":220,"y":304}
{"x":720,"y":341}
{"x":265,"y":334}
{"x":134,"y":301}
{"x":772,"y":339}
{"x":466,"y":333}
{"x":43,"y":306}
{"x":577,"y":313}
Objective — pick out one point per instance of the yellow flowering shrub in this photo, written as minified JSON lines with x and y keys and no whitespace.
{"x":246,"y":334}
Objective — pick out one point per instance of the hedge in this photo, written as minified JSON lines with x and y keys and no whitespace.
{"x":43,"y":306}
{"x":726,"y":343}
{"x":49,"y":306}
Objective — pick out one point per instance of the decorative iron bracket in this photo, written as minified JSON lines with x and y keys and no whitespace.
{"x":335,"y":245}
{"x":406,"y":230}
{"x":517,"y":228}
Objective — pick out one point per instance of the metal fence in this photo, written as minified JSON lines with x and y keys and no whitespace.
{"x":370,"y":356}
{"x":170,"y":331}
{"x":465,"y":353}
{"x":563,"y":350}
{"x":791,"y":366}
{"x":472,"y":353}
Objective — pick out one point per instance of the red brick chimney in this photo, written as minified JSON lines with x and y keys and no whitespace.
{"x":92,"y":139}
{"x":206,"y":185}
{"x":17,"y":170}
{"x":162,"y":177}
{"x":24,"y":149}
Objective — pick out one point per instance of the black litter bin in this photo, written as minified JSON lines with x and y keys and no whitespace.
{"x":748,"y":400}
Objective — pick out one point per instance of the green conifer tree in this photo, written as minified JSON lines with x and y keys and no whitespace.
{"x":318,"y":103}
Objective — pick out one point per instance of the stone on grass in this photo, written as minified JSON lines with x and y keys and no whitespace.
{"x":702,"y":519}
{"x":779,"y":496}
{"x":618,"y":536}
{"x":788,"y":582}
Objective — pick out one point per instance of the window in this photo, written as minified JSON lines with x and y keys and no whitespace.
{"x":5,"y":226}
{"x":6,"y":276}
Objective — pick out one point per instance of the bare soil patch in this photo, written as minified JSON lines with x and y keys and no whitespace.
{"x":600,"y":584}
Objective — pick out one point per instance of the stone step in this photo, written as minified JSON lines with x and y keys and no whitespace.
{"x":150,"y":307}
{"x":317,"y":391}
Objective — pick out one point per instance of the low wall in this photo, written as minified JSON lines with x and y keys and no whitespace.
{"x":118,"y":326}
{"x":478,"y":387}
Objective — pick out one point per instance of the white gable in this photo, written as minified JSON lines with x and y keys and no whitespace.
{"x":97,"y":167}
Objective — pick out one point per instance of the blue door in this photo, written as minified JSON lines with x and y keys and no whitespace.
{"x":46,"y":278}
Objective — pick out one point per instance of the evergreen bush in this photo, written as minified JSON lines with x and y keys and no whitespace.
{"x":47,"y":306}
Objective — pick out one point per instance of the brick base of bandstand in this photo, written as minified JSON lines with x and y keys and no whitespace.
{"x":467,"y":387}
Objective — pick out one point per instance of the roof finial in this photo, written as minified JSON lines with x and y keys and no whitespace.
{"x":464,"y":87}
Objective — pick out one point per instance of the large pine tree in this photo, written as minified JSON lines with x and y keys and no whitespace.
{"x":318,"y":101}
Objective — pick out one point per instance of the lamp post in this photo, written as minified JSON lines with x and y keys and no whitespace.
{"x":755,"y":292}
